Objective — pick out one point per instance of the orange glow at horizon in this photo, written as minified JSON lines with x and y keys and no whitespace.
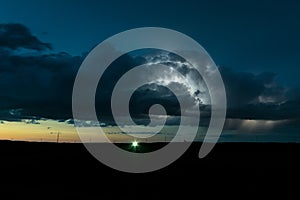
{"x":38,"y":132}
{"x":41,"y":132}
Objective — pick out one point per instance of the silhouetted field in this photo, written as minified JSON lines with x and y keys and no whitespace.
{"x":230,"y":169}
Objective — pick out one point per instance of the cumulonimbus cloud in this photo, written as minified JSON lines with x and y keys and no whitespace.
{"x":40,"y":85}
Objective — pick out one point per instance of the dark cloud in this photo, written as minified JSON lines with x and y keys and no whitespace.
{"x":244,"y":88}
{"x":147,"y":95}
{"x":8,"y":115}
{"x":15,"y":36}
{"x":260,"y":96}
{"x":37,"y":84}
{"x":40,"y":85}
{"x":286,"y":110}
{"x":108,"y":81}
{"x":293,"y":93}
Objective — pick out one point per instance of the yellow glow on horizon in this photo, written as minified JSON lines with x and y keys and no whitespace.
{"x":37,"y":132}
{"x":68,"y":133}
{"x":42,"y":132}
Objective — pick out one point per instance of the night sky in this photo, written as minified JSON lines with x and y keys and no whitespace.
{"x":254,"y":43}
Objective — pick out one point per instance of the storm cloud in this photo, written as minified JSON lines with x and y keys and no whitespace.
{"x":39,"y":85}
{"x":259,"y":96}
{"x":33,"y":84}
{"x":15,"y":36}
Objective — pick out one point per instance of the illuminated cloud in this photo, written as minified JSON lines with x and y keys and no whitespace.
{"x":254,"y":126}
{"x":39,"y":85}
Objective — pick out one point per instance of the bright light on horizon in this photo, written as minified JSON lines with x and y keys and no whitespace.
{"x":135,"y":143}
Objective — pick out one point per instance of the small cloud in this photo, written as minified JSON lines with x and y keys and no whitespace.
{"x":102,"y":124}
{"x":87,"y":123}
{"x":15,"y":112}
{"x":70,"y":121}
{"x":31,"y":121}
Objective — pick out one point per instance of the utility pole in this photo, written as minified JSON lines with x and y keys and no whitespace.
{"x":57,"y":135}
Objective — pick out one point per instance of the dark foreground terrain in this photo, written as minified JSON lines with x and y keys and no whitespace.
{"x":231,"y":170}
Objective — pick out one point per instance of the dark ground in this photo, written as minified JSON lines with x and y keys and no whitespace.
{"x":231,"y":170}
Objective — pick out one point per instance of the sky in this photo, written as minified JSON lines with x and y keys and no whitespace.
{"x":254,"y":43}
